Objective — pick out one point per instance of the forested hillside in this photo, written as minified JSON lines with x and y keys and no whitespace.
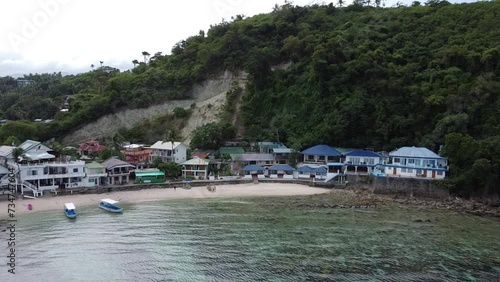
{"x":356,"y":76}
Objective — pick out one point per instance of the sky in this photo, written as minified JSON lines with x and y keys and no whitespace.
{"x":39,"y":36}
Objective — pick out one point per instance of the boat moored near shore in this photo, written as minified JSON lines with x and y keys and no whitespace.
{"x":110,"y":205}
{"x":70,"y":210}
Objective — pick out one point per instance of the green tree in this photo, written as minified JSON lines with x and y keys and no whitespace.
{"x":171,"y":169}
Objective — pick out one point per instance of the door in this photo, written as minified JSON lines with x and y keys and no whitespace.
{"x":394,"y":171}
{"x":433,"y":174}
{"x":425,"y":173}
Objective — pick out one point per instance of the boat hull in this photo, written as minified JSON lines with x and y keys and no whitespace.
{"x":70,"y":214}
{"x":115,"y":209}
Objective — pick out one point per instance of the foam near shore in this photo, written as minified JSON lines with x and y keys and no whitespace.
{"x":49,"y":202}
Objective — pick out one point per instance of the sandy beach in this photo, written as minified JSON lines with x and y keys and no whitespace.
{"x":49,"y":202}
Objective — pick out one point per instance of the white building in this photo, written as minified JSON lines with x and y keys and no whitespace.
{"x":196,"y":168}
{"x":169,"y":152}
{"x":416,"y":162}
{"x":38,"y":170}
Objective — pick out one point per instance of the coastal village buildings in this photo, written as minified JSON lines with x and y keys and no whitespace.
{"x":195,"y":168}
{"x":361,"y":161}
{"x":320,"y":154}
{"x":416,"y":162}
{"x":89,"y":148}
{"x":118,"y":171}
{"x":38,"y":168}
{"x":136,"y":155}
{"x":95,"y":174}
{"x":169,"y":152}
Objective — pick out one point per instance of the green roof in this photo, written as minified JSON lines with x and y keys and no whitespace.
{"x":231,"y":150}
{"x":94,"y":165}
{"x":149,"y":173}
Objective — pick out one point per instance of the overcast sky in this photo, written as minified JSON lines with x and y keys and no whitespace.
{"x":70,"y":35}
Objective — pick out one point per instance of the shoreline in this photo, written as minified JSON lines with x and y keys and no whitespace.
{"x":49,"y":202}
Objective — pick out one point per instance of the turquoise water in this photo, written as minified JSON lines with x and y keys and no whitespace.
{"x":250,"y":240}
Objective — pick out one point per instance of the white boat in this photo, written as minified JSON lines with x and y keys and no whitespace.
{"x":110,"y":205}
{"x":70,"y":210}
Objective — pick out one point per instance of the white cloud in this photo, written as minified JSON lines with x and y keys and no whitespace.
{"x":70,"y":35}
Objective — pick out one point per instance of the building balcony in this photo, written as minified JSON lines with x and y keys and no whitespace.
{"x":52,"y":176}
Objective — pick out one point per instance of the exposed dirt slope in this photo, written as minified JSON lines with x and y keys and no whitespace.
{"x":208,"y":96}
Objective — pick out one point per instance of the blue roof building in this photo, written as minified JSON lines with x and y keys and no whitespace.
{"x":321,"y":154}
{"x":361,"y":161}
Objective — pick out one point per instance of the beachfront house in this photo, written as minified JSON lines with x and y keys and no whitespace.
{"x":361,"y":161}
{"x":281,"y":171}
{"x":95,"y":174}
{"x":48,"y":174}
{"x":240,"y":160}
{"x":253,"y":171}
{"x":169,"y":152}
{"x":312,"y":172}
{"x":320,"y":154}
{"x":136,"y":155}
{"x":195,"y":168}
{"x":118,"y":171}
{"x":416,"y":162}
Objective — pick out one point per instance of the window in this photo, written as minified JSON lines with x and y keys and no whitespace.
{"x":34,"y":172}
{"x":418,"y":162}
{"x":397,"y":160}
{"x":370,"y":161}
{"x":419,"y":172}
{"x":440,"y":173}
{"x":355,"y":160}
{"x":410,"y":170}
{"x":411,"y":161}
{"x":403,"y":170}
{"x":75,"y":170}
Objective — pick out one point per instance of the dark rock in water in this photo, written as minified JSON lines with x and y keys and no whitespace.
{"x":418,"y":220}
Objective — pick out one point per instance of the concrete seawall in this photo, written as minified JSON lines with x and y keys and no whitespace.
{"x":399,"y":186}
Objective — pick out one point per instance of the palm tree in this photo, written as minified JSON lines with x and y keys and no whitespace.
{"x":92,"y":66}
{"x":146,"y":55}
{"x":101,"y":63}
{"x":17,"y":153}
{"x":135,"y":62}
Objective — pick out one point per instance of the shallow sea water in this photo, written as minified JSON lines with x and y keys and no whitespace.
{"x":245,"y":239}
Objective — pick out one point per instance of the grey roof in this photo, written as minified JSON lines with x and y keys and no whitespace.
{"x":252,"y":157}
{"x":114,"y":162}
{"x":415,"y":152}
{"x":36,"y":155}
{"x":6,"y":150}
{"x":3,"y":170}
{"x":282,"y":150}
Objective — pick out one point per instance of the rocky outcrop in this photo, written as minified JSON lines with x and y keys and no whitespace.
{"x":208,"y":98}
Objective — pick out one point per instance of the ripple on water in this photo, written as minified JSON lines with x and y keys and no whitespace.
{"x":211,"y":240}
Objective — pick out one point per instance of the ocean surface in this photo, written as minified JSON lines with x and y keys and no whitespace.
{"x":252,"y":240}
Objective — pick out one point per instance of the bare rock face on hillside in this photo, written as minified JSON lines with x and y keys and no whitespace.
{"x":209,"y":97}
